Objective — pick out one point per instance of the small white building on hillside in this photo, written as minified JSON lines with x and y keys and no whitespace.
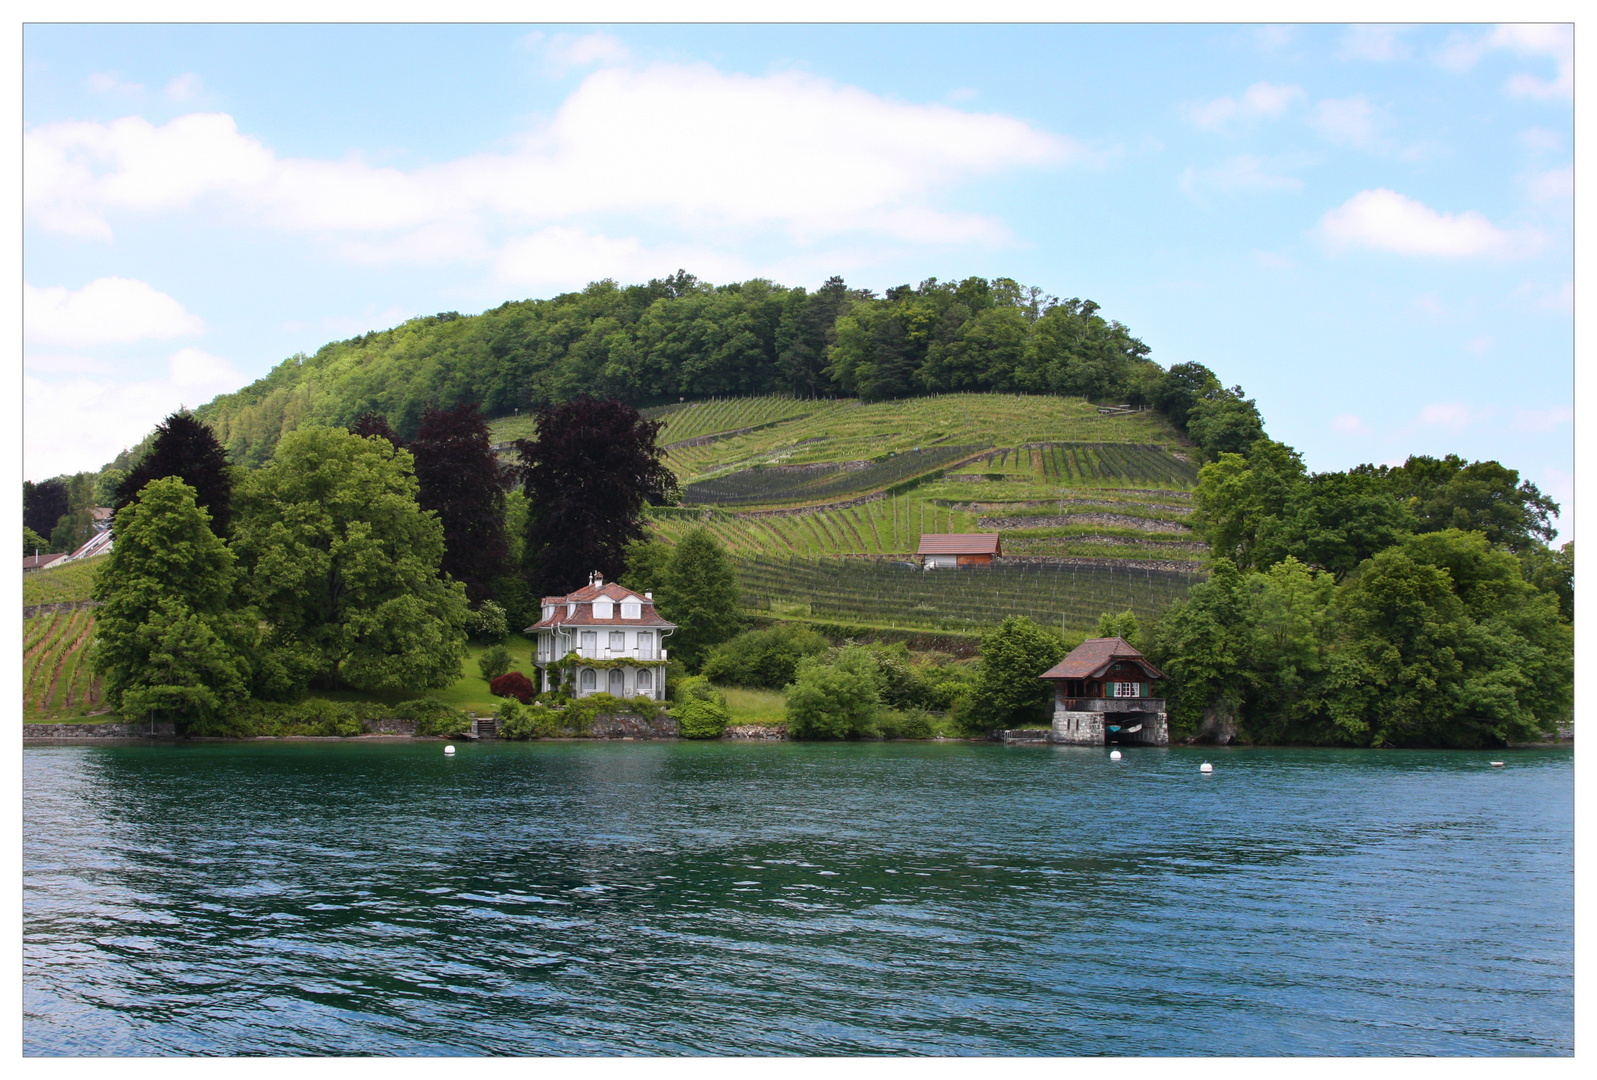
{"x":611,"y":626}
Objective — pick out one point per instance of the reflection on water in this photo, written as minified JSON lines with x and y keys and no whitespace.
{"x":572,"y":898}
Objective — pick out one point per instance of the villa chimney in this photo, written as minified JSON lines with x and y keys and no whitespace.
{"x":648,"y":595}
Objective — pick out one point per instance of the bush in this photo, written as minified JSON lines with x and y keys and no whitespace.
{"x":579,"y":714}
{"x":433,"y":717}
{"x":489,"y":622}
{"x":310,"y":716}
{"x":763,"y":659}
{"x":513,"y":685}
{"x":943,"y":685}
{"x":700,"y":711}
{"x":518,"y":721}
{"x":1008,"y":692}
{"x":494,"y":663}
{"x":833,"y":700}
{"x":910,"y":724}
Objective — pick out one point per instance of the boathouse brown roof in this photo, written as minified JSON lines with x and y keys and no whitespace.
{"x":1093,"y":657}
{"x":958,"y":544}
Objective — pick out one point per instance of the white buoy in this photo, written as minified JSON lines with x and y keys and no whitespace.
{"x":1114,"y":755}
{"x":449,"y":750}
{"x":1206,"y":767}
{"x":1497,"y":764}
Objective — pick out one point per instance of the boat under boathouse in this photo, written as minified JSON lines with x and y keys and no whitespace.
{"x":1103,"y":694}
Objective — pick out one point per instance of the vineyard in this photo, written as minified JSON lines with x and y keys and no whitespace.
{"x":881,"y":592}
{"x":58,"y":584}
{"x":1091,"y":464}
{"x":820,"y":482}
{"x":886,"y":526}
{"x":56,"y":678}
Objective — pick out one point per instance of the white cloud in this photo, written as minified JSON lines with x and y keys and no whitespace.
{"x":1261,"y":100}
{"x":183,"y":87}
{"x":1380,"y":42}
{"x":1242,"y":173}
{"x":38,"y":363}
{"x":1544,"y":419}
{"x":1554,"y":185}
{"x":1541,"y":140}
{"x":1350,"y":122}
{"x":1555,"y":41}
{"x":110,"y":82}
{"x":1454,"y":415}
{"x":570,"y":258}
{"x":1349,"y":424}
{"x":789,"y":151}
{"x":105,"y":311}
{"x":1274,"y":38}
{"x":1383,"y":220}
{"x":81,"y":423}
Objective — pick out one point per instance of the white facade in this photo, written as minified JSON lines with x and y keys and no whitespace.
{"x":606,"y":623}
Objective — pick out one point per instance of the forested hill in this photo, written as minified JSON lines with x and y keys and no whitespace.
{"x":680,"y":337}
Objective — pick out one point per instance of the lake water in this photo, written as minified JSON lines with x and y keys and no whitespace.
{"x":791,"y":898}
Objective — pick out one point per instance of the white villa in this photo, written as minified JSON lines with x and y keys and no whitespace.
{"x":608,"y":624}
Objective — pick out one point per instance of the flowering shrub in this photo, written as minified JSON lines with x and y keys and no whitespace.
{"x":513,"y":685}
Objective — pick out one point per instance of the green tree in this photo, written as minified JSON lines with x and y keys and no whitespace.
{"x":1480,"y":496}
{"x":166,"y":638}
{"x":1334,"y":521}
{"x":1123,"y":626}
{"x":700,"y":709}
{"x":763,"y":659}
{"x":648,"y":564}
{"x":701,"y":597}
{"x":1008,"y":690}
{"x":344,"y":567}
{"x":1237,"y":495}
{"x":1553,"y":572}
{"x":1225,"y":423}
{"x":1203,"y":646}
{"x":33,"y":543}
{"x":833,"y":697}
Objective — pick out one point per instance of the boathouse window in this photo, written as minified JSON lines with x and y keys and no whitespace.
{"x":631,"y":609}
{"x":618,"y":641}
{"x":603,"y":609}
{"x":1125,"y":689}
{"x":588,"y":679}
{"x":645,"y":680}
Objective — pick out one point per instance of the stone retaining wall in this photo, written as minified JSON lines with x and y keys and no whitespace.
{"x":119,"y":730}
{"x":755,"y":731}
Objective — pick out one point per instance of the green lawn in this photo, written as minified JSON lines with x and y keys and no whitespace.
{"x":755,"y":706}
{"x":469,"y":692}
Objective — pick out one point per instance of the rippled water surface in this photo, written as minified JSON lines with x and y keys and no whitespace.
{"x":681,"y":898}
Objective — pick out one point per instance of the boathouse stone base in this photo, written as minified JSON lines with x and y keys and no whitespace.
{"x":1077,"y":728}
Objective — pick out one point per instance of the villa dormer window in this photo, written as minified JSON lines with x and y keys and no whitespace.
{"x":571,"y":610}
{"x":631,"y":609}
{"x":603,"y":609}
{"x":548,"y":612}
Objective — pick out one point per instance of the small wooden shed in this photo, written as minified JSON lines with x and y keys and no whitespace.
{"x":958,"y":549}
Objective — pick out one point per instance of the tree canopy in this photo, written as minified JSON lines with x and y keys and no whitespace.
{"x":343,"y":566}
{"x":187,"y":448}
{"x":700,"y":596}
{"x":461,"y":480}
{"x":587,"y":475}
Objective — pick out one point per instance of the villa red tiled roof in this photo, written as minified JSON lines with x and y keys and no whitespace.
{"x":584,"y":598}
{"x":958,"y":544}
{"x":1093,"y":657}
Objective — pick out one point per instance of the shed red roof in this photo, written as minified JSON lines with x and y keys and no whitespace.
{"x":958,"y":544}
{"x":1095,"y":656}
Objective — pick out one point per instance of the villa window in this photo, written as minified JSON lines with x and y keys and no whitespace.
{"x":645,"y":681}
{"x":618,"y":641}
{"x":571,"y":611}
{"x":603,"y":609}
{"x":589,"y":681}
{"x":631,"y":609}
{"x":645,"y":645}
{"x":590,"y":642}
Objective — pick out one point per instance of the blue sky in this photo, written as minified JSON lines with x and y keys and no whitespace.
{"x":1369,"y":229}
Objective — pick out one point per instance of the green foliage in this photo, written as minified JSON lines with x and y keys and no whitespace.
{"x":579,"y":714}
{"x":1479,"y":496}
{"x":701,"y":597}
{"x":517,"y":721}
{"x":494,"y":662}
{"x":945,"y":684}
{"x":833,"y":697}
{"x":648,"y":565}
{"x":309,"y":716}
{"x":344,"y":566}
{"x":33,"y":543}
{"x":910,"y":724}
{"x":1122,"y":626}
{"x":433,"y":717}
{"x":1225,"y":423}
{"x":488,"y":623}
{"x":700,"y":709}
{"x":1436,"y":641}
{"x":1008,"y":692}
{"x":763,"y":658}
{"x":167,"y":640}
{"x":1553,"y":572}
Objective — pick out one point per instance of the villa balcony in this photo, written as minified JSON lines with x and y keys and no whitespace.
{"x":604,"y":652}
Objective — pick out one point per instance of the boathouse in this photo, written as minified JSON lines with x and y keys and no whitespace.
{"x":958,"y":549}
{"x":1104,"y":694}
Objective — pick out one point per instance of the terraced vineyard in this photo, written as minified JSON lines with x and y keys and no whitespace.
{"x":879,"y":592}
{"x":56,"y":678}
{"x":886,"y":526}
{"x":823,"y":481}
